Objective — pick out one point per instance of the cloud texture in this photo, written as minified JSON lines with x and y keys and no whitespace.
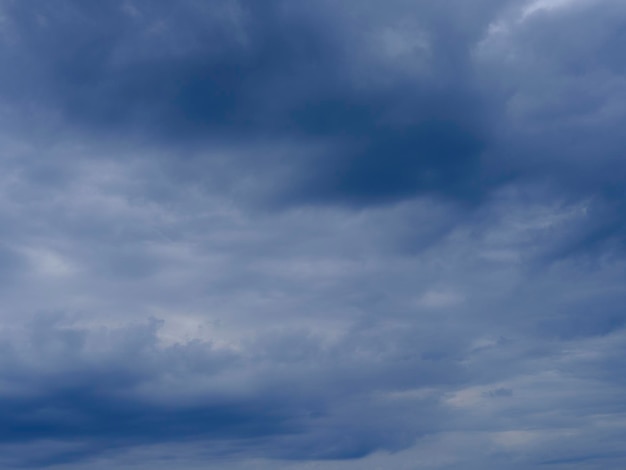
{"x":295,"y":235}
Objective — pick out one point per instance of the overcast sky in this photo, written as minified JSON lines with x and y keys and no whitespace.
{"x":313,"y":234}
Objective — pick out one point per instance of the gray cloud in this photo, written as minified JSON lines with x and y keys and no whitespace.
{"x":285,"y":235}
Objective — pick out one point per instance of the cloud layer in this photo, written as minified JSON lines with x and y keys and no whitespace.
{"x":295,"y":235}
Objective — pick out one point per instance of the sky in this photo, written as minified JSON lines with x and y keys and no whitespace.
{"x":312,"y":235}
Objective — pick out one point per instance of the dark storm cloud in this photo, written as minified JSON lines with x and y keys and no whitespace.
{"x":251,"y":70}
{"x":233,"y":71}
{"x":105,"y":389}
{"x":391,"y":104}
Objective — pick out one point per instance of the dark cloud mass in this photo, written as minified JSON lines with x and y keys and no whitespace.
{"x":292,"y":234}
{"x":262,"y":69}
